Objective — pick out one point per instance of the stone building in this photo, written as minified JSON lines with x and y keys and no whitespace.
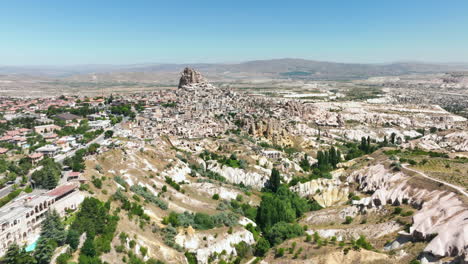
{"x":20,"y":220}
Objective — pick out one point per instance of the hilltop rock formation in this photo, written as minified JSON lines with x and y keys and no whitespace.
{"x":190,"y":77}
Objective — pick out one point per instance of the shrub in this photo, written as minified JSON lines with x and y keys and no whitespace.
{"x":97,"y":182}
{"x":282,"y":231}
{"x":397,"y":210}
{"x":348,"y":220}
{"x":407,"y":213}
{"x":172,"y":183}
{"x":279,"y":252}
{"x":63,"y":258}
{"x":363,"y":243}
{"x":143,"y":191}
{"x":262,"y":247}
{"x":191,"y":258}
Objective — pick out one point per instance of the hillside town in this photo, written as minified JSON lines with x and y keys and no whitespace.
{"x":205,"y":172}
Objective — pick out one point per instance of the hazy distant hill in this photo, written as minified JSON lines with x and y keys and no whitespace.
{"x":277,"y":68}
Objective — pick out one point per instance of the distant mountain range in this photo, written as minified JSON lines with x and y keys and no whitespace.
{"x":276,"y":68}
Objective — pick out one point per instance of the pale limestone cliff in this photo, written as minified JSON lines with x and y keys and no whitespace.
{"x":327,"y":192}
{"x":238,"y":176}
{"x":457,"y":141}
{"x":194,"y":241}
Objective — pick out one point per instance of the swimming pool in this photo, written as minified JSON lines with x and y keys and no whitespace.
{"x":32,"y":246}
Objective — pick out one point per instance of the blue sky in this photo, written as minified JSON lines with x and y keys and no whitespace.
{"x":42,"y":32}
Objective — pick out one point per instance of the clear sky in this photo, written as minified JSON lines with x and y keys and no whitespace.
{"x":46,"y":32}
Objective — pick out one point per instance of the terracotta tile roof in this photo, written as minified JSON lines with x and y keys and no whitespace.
{"x":35,"y":155}
{"x":73,"y":174}
{"x":61,"y":190}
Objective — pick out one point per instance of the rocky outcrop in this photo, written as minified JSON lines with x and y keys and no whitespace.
{"x":271,"y":130}
{"x":332,"y":196}
{"x":205,"y":244}
{"x":238,"y":176}
{"x":369,"y":230}
{"x":446,"y":218}
{"x":373,"y":178}
{"x":210,"y":189}
{"x":457,"y":141}
{"x":330,"y":215}
{"x":442,"y":216}
{"x":327,"y":192}
{"x":178,"y":172}
{"x":190,"y":77}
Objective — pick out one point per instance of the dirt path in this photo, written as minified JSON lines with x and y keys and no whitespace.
{"x":458,"y":188}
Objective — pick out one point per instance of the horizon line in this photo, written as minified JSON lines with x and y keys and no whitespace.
{"x":232,"y":63}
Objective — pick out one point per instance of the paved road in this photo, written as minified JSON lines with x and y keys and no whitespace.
{"x":9,"y":187}
{"x":458,"y":188}
{"x":6,"y":190}
{"x":99,"y":140}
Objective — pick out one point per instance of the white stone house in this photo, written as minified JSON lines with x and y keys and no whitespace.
{"x":20,"y":220}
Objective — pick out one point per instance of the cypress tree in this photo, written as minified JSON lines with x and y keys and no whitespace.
{"x":320,"y":158}
{"x":363,"y":144}
{"x":333,"y":158}
{"x":275,"y":180}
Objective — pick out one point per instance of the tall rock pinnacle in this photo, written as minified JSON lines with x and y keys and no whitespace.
{"x":190,"y":77}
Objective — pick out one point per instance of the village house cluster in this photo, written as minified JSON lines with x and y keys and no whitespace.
{"x":32,"y":130}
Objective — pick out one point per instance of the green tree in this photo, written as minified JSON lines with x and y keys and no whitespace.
{"x":275,"y":180}
{"x":108,"y":134}
{"x":44,"y":250}
{"x":13,"y":253}
{"x":89,"y":249}
{"x":73,"y":239}
{"x":304,"y":163}
{"x":282,"y":206}
{"x":282,"y":231}
{"x":262,"y":247}
{"x":53,"y":228}
{"x":191,"y":258}
{"x":49,"y":175}
{"x":17,"y":255}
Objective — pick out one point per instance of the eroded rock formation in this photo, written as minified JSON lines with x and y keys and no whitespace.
{"x":271,"y":130}
{"x":238,"y":176}
{"x":190,"y":77}
{"x":442,"y":215}
{"x":205,"y":244}
{"x":327,"y":192}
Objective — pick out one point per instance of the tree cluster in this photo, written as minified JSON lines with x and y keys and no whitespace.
{"x":48,"y":176}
